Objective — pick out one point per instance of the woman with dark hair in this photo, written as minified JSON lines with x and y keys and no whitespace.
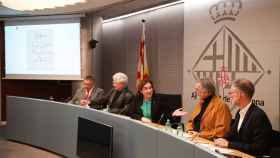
{"x":146,"y":106}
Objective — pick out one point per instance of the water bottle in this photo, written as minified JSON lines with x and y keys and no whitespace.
{"x":180,"y":130}
{"x":107,"y":108}
{"x":168,"y":126}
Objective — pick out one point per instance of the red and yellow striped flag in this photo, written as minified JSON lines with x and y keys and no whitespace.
{"x":142,"y":66}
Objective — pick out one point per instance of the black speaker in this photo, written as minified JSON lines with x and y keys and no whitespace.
{"x":92,"y":43}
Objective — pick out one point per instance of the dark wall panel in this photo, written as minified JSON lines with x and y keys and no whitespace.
{"x":164,"y":44}
{"x":43,"y":89}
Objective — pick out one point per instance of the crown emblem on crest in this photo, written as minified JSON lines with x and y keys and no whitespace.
{"x":225,"y":10}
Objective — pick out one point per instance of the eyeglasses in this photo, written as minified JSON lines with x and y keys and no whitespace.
{"x":233,"y":91}
{"x":200,"y":91}
{"x":87,"y":83}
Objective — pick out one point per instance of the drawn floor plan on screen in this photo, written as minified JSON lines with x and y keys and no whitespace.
{"x":40,"y":54}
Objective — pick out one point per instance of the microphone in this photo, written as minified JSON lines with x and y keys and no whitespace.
{"x":194,"y":95}
{"x":161,"y":117}
{"x":182,"y":125}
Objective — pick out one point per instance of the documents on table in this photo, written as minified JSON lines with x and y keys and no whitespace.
{"x":216,"y":149}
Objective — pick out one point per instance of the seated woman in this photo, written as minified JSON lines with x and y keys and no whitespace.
{"x":146,"y":106}
{"x":211,"y":116}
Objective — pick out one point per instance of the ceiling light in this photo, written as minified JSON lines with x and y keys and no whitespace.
{"x":143,"y":11}
{"x":28,"y":5}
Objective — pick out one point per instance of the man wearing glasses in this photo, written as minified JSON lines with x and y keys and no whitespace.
{"x":251,"y":131}
{"x":88,"y":94}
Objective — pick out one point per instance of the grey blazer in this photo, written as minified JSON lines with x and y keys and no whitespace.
{"x":96,"y":95}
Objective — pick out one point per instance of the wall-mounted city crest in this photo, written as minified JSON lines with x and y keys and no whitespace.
{"x":226,"y":57}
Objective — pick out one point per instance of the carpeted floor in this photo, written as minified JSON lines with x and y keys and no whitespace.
{"x":10,"y":149}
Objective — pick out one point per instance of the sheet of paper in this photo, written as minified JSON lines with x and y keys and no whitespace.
{"x":186,"y":135}
{"x":216,"y":149}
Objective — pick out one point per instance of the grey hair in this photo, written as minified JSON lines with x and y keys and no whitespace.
{"x":120,"y":78}
{"x":208,"y":85}
{"x":246,"y":86}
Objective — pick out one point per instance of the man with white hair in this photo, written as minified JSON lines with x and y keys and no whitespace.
{"x":119,"y":97}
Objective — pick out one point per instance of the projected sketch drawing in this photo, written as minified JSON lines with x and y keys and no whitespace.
{"x":40,"y":50}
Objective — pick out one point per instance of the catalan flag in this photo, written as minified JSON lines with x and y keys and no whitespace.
{"x":142,"y":66}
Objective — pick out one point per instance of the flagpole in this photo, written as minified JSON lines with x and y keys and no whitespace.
{"x":144,"y":38}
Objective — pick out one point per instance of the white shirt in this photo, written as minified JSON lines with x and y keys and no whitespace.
{"x":88,"y":96}
{"x":242,"y":114}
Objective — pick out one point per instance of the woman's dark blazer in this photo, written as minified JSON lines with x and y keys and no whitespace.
{"x":135,"y":110}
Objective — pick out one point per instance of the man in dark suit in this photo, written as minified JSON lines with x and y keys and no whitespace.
{"x":88,"y":94}
{"x":118,"y":99}
{"x":251,"y":131}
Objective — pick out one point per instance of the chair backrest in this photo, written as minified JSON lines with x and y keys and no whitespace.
{"x":275,"y":139}
{"x":169,"y":103}
{"x":275,"y":144}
